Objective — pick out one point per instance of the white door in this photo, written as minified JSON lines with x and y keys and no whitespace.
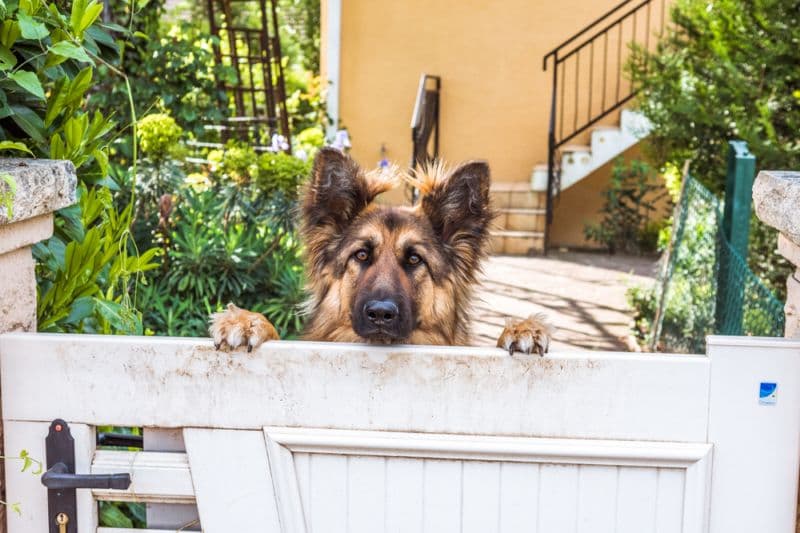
{"x":302,"y":437}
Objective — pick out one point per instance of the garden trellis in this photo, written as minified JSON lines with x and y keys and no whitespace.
{"x":249,"y":43}
{"x":706,"y":286}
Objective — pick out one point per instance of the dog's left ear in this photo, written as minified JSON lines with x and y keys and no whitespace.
{"x":460,"y":211}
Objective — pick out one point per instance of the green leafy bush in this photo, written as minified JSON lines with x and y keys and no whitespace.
{"x":259,"y":175}
{"x":218,"y":256}
{"x":280,"y":172}
{"x":47,"y":64}
{"x":630,"y":200}
{"x":158,"y":135}
{"x":726,"y":70}
{"x":174,"y":72}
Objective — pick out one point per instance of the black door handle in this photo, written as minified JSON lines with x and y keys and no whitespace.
{"x":59,"y":477}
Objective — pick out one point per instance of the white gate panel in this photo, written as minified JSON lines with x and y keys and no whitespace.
{"x":186,"y":383}
{"x":26,"y":489}
{"x":519,"y":487}
{"x":441,"y":496}
{"x":231,"y":478}
{"x":404,"y":481}
{"x":366,"y":494}
{"x":597,"y":499}
{"x":480,"y":498}
{"x":315,"y":438}
{"x":637,"y":498}
{"x":558,"y":494}
{"x":757,"y":454}
{"x":379,"y":481}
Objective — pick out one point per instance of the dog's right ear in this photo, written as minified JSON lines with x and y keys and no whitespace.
{"x":337,"y":192}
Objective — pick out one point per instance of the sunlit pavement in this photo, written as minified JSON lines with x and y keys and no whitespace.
{"x":583,"y":295}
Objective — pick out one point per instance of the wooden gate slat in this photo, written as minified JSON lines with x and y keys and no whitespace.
{"x":155,"y":476}
{"x":232,"y":480}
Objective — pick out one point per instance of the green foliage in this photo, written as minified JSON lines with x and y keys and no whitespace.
{"x":690,"y":277}
{"x":237,"y":163}
{"x":726,"y":70}
{"x":29,"y":464}
{"x":84,"y":271}
{"x":219,"y":255}
{"x":280,"y":172}
{"x":46,"y":65}
{"x":175,"y":72}
{"x":629,"y":205}
{"x":122,"y":514}
{"x":158,"y":135}
{"x":300,"y":31}
{"x":49,"y":58}
{"x":258,"y":176}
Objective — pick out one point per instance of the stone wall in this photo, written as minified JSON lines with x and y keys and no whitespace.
{"x":42,"y":187}
{"x":776,"y":196}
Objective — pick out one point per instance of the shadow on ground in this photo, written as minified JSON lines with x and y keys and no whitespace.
{"x":583,"y":295}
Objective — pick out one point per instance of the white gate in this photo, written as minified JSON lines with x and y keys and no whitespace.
{"x":302,"y":437}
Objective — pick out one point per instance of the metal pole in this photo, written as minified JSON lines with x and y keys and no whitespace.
{"x":733,"y":238}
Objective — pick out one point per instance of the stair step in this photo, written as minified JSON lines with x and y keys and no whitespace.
{"x":520,"y":219}
{"x":509,"y":242}
{"x":516,"y":195}
{"x":517,"y":234}
{"x":575,"y":148}
{"x":510,"y":186}
{"x":522,"y":210}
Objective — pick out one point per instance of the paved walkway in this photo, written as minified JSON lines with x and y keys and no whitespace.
{"x":583,"y":295}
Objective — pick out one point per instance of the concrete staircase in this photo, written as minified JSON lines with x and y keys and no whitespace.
{"x":520,"y":226}
{"x":606,"y":143}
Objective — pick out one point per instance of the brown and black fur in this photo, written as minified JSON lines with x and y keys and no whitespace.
{"x":389,"y":275}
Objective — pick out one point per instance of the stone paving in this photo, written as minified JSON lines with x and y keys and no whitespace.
{"x":583,"y":295}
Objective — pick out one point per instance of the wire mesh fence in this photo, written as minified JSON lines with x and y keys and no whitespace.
{"x":706,"y":286}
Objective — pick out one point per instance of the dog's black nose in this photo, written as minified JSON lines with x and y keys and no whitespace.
{"x":381,"y":312}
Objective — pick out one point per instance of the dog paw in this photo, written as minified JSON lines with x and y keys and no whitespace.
{"x":237,"y":327}
{"x":527,"y":336}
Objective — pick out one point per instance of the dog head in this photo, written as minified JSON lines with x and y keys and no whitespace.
{"x":393,"y":274}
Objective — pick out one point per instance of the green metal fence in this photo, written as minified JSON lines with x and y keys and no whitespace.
{"x":706,"y":286}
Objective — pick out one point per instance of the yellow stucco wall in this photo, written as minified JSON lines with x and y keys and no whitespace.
{"x":581,"y":204}
{"x":495,"y":96}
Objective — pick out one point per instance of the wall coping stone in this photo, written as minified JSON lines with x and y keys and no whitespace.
{"x":776,"y":197}
{"x":43,"y":186}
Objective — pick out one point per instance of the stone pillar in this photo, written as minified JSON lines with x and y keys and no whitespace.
{"x":776,"y":196}
{"x":42,"y":187}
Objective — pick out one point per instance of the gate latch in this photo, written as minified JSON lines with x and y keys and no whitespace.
{"x":61,"y":479}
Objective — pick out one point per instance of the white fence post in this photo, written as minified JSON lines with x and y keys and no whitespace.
{"x":754,"y":423}
{"x":34,"y":189}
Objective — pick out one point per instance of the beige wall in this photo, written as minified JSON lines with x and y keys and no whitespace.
{"x":495,"y":96}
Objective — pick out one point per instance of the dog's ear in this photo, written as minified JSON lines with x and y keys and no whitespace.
{"x":460,"y":211}
{"x":337,"y":192}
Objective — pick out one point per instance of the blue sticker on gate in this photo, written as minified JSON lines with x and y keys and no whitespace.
{"x":768,"y":393}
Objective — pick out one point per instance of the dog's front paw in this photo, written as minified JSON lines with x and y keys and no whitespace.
{"x":237,"y":327}
{"x":527,"y":336}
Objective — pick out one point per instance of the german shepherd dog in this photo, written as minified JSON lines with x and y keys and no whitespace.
{"x":389,"y":275}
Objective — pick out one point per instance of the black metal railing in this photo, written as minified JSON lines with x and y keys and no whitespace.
{"x":588,"y":85}
{"x":425,"y":123}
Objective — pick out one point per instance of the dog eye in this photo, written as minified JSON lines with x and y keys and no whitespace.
{"x":362,"y":255}
{"x":414,"y":259}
